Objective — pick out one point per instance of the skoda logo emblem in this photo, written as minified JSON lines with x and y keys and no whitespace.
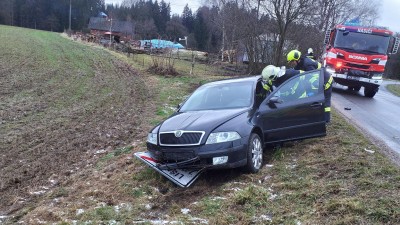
{"x":178,"y":133}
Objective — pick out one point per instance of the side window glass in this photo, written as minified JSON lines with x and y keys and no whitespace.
{"x":302,"y":86}
{"x":311,"y":83}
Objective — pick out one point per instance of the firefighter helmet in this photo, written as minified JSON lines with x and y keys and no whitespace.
{"x":293,"y":55}
{"x":271,"y":72}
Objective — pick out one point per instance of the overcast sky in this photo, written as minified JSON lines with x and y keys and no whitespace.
{"x":389,"y":13}
{"x":176,"y":5}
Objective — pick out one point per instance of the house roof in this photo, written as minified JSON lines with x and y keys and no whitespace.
{"x":99,"y":23}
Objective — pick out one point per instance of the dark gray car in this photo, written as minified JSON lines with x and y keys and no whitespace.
{"x":226,"y":124}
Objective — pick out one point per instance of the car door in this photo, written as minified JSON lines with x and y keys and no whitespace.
{"x":294,"y":110}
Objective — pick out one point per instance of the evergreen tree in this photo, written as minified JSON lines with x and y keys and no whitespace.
{"x":200,"y":29}
{"x":188,"y":18}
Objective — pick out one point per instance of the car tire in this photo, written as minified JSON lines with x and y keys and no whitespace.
{"x":254,"y":154}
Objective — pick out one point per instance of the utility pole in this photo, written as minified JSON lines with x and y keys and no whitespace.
{"x":69,"y":28}
{"x":110,"y":29}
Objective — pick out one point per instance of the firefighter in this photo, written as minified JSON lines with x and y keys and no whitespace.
{"x":275,"y":76}
{"x":295,"y":60}
{"x":310,"y":54}
{"x":306,"y":64}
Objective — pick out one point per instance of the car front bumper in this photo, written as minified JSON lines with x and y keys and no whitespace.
{"x":200,"y":156}
{"x":352,"y":80}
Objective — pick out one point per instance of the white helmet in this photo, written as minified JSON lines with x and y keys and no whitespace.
{"x":272,"y":72}
{"x":310,"y":50}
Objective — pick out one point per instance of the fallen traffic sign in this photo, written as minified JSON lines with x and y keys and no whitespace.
{"x":181,"y":177}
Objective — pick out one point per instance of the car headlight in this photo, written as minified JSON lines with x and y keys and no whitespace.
{"x":377,"y":76}
{"x":152,"y":138}
{"x":222,"y":137}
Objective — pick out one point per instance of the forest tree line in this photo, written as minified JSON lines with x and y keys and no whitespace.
{"x":218,"y":26}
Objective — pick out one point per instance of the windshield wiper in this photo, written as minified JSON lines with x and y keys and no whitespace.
{"x":347,"y":49}
{"x":370,"y":51}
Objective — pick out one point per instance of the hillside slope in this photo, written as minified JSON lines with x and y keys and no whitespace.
{"x":71,"y":115}
{"x":59,"y":101}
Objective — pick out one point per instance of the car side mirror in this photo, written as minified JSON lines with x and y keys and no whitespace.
{"x":273,"y":101}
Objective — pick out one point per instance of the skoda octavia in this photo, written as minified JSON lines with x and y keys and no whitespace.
{"x":226,"y":124}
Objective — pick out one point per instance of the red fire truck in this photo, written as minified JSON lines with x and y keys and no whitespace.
{"x":356,"y":56}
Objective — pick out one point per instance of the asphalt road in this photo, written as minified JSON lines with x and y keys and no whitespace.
{"x":379,"y":117}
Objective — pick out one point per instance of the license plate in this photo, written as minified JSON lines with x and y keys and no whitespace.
{"x":181,"y":177}
{"x":353,"y":77}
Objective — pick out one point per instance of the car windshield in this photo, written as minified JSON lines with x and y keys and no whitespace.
{"x":220,"y":96}
{"x":362,"y":43}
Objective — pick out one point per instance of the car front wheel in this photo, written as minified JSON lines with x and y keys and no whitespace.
{"x":254,"y":154}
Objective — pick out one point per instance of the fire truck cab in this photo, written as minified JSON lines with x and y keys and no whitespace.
{"x":356,"y":56}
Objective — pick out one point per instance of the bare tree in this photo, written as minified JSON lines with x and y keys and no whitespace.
{"x":332,"y":12}
{"x":285,"y":13}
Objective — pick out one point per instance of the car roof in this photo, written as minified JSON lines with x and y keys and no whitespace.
{"x":234,"y":80}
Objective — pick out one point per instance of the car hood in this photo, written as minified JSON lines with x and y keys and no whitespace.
{"x":206,"y":120}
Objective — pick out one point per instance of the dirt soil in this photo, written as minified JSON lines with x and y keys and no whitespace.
{"x":60,"y":148}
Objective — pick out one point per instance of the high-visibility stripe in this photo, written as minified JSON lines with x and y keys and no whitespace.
{"x":328,"y":84}
{"x":266,"y":87}
{"x":327,"y":109}
{"x":313,"y":79}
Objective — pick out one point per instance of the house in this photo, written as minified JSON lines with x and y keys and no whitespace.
{"x":100,"y":26}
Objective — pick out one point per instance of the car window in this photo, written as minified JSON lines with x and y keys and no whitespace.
{"x":299,"y":87}
{"x":220,"y":96}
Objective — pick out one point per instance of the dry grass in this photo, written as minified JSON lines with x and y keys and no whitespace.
{"x":330,"y":180}
{"x":394,"y":88}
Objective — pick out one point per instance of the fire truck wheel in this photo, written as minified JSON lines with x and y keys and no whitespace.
{"x":370,"y":92}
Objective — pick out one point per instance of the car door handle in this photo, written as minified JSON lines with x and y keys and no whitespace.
{"x":316,"y":104}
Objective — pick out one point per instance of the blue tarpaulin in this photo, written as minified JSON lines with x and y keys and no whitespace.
{"x":156,"y":43}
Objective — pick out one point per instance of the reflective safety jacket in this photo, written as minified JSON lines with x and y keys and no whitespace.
{"x":311,"y":56}
{"x":307,"y":64}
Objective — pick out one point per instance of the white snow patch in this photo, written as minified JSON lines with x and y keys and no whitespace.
{"x":273,"y":197}
{"x":37,"y":192}
{"x":148,"y":206}
{"x":232,"y":189}
{"x":240,"y":183}
{"x":199,"y":220}
{"x":185,"y":211}
{"x":3,"y":218}
{"x":53,"y":182}
{"x":369,"y":151}
{"x":292,"y":166}
{"x":100,"y":151}
{"x":267,"y":178}
{"x":79,"y":211}
{"x":218,"y":198}
{"x":262,"y":218}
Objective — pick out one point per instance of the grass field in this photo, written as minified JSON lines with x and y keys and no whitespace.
{"x":72,"y":114}
{"x":394,"y":88}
